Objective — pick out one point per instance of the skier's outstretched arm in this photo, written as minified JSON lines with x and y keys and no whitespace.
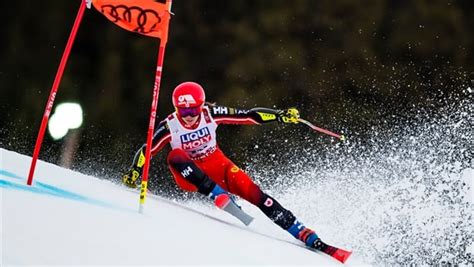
{"x":227,"y":115}
{"x":160,"y":139}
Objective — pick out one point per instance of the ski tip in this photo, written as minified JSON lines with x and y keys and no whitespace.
{"x":342,"y":255}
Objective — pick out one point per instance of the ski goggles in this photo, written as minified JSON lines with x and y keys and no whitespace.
{"x":185,"y":112}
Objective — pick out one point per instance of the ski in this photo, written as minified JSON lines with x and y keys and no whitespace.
{"x":340,"y":255}
{"x":225,"y":203}
{"x":336,"y":253}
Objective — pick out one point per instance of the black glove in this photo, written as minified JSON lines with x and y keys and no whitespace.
{"x":132,"y":177}
{"x":290,"y":115}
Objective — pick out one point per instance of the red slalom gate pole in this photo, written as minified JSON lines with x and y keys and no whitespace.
{"x":54,"y":89}
{"x":151,"y":126}
{"x":153,"y":111}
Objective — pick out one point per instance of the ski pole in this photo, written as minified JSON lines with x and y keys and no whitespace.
{"x":321,"y":130}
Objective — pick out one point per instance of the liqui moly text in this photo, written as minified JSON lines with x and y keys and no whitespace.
{"x":195,"y":139}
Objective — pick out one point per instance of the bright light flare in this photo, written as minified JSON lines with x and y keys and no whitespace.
{"x":66,"y":116}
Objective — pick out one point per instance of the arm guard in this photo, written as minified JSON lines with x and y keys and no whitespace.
{"x":226,"y":115}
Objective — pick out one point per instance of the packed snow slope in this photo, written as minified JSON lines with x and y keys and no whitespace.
{"x":67,"y":218}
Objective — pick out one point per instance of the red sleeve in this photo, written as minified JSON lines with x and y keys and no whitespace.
{"x":233,"y":120}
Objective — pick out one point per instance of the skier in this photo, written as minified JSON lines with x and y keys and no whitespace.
{"x":197,"y":163}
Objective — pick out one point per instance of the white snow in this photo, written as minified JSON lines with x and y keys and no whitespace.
{"x":67,"y":218}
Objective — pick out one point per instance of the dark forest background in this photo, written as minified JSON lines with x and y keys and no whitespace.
{"x":348,"y":65}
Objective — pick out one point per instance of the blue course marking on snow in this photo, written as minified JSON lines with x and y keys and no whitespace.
{"x":42,"y":188}
{"x":9,"y":174}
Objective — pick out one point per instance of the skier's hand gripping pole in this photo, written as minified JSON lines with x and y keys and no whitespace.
{"x":290,"y":115}
{"x":132,"y":177}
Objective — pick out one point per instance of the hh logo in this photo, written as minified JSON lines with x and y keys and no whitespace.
{"x":186,"y":100}
{"x":186,"y":172}
{"x":195,"y":139}
{"x":220,"y":110}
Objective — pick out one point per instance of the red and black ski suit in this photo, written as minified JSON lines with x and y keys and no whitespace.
{"x":197,"y":163}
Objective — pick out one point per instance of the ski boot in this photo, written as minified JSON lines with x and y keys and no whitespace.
{"x":226,"y":202}
{"x":312,"y":241}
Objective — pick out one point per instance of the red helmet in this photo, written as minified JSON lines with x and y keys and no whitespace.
{"x":188,"y":95}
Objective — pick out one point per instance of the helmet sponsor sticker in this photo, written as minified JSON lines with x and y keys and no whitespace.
{"x":186,"y":100}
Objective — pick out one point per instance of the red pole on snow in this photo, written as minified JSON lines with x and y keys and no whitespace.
{"x":151,"y":125}
{"x":54,"y":89}
{"x":156,"y":91}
